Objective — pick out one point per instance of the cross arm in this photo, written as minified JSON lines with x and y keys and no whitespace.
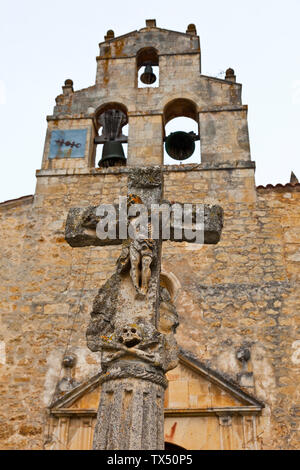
{"x":82,"y":222}
{"x":211,"y":218}
{"x":81,"y":228}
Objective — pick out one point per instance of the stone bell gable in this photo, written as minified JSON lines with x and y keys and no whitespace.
{"x":181,"y":91}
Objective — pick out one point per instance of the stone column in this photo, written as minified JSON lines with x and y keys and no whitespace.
{"x":131,"y":411}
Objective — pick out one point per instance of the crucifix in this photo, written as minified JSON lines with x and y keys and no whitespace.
{"x":133,"y":321}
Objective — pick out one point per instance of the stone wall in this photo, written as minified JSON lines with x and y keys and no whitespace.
{"x":241,"y":292}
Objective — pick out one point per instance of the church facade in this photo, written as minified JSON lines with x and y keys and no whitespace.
{"x":237,"y":382}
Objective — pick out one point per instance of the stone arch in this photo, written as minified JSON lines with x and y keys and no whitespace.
{"x":180,"y":107}
{"x":171,"y":283}
{"x":172,"y":446}
{"x":147,"y":55}
{"x":181,"y":145}
{"x":110,"y":105}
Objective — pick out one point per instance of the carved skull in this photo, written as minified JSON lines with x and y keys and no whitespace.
{"x":130,"y":336}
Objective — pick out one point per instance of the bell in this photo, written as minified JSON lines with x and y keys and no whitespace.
{"x":112,"y":155}
{"x":180,"y":145}
{"x":148,"y":77}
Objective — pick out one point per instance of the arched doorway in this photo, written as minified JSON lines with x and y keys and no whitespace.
{"x":173,"y":447}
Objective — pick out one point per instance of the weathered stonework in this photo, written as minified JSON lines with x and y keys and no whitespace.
{"x":123,"y":329}
{"x":242,"y":292}
{"x":133,"y":322}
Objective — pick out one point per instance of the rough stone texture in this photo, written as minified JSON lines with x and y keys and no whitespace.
{"x":242,"y":292}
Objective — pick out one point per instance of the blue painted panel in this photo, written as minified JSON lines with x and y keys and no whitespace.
{"x":68,"y":144}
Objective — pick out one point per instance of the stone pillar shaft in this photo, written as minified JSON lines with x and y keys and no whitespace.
{"x":130,"y":415}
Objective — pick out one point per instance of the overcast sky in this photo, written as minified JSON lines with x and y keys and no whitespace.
{"x":43,"y":43}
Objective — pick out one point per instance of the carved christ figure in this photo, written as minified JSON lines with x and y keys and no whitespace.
{"x":139,"y":252}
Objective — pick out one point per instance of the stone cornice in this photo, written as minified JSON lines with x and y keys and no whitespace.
{"x":168,"y":412}
{"x":16,"y":202}
{"x":224,"y":166}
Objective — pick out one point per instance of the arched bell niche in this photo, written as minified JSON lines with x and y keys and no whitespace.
{"x":181,"y":132}
{"x":111,"y":143}
{"x":147,"y":66}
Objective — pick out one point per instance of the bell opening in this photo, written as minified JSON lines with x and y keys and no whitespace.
{"x":179,"y":147}
{"x":147,"y":63}
{"x":111,"y":142}
{"x":148,"y":77}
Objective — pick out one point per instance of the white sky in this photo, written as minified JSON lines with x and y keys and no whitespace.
{"x":43,"y":43}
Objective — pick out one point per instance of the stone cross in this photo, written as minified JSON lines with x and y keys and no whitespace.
{"x":133,"y":322}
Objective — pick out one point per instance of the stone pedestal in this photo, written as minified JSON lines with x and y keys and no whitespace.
{"x":131,"y":410}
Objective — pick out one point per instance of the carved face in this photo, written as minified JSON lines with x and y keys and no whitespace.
{"x":130,"y":336}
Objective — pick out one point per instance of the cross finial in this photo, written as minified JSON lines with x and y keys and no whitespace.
{"x":294,"y":179}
